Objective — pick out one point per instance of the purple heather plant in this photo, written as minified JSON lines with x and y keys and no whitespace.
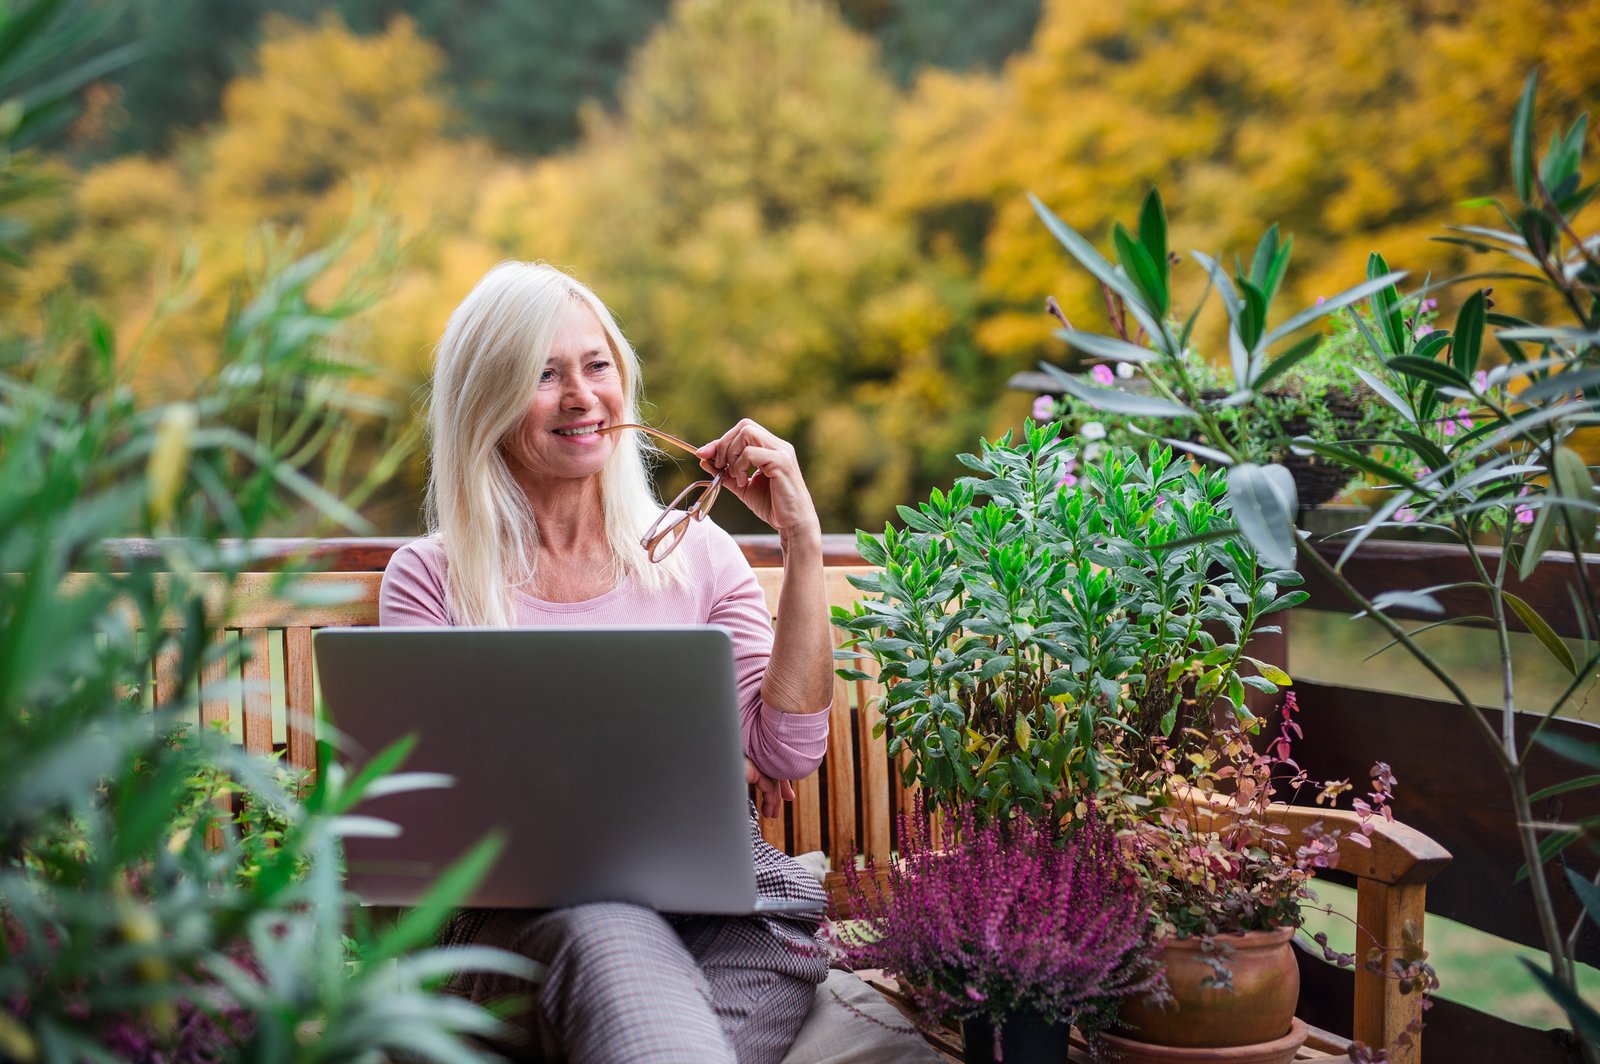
{"x":203,"y":1025}
{"x":1008,"y":917}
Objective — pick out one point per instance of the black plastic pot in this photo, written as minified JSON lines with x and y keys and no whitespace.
{"x":1025,"y":1039}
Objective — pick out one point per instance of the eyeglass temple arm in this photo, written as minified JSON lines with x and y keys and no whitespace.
{"x":657,"y":433}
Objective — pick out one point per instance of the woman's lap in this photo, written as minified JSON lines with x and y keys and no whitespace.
{"x":624,"y":983}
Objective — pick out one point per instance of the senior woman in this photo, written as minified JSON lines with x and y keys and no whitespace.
{"x":541,"y":513}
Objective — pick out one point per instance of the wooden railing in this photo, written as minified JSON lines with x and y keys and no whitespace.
{"x":1450,"y":787}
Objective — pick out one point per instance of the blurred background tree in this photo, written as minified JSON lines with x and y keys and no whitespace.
{"x":810,"y":212}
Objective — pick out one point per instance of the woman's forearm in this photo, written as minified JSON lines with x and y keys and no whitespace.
{"x":799,"y":677}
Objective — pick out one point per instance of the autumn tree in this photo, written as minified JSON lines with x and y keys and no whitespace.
{"x":324,"y":107}
{"x":729,"y":212}
{"x":1353,"y":125}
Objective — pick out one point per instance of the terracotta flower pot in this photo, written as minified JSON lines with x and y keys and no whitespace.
{"x":1278,"y":1051}
{"x":1259,"y":1008}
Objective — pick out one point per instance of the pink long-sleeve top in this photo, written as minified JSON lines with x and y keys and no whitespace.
{"x":722,"y":589}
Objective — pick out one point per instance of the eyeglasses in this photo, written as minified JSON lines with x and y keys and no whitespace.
{"x":692,"y":504}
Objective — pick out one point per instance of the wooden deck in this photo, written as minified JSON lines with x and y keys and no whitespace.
{"x":946,"y":1041}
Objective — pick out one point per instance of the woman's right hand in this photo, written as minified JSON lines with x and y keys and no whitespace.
{"x":770,"y":793}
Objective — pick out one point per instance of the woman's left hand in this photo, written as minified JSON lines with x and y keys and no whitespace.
{"x":762,"y":470}
{"x":770,"y":793}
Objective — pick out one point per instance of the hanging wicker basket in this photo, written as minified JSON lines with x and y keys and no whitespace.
{"x":1317,"y":479}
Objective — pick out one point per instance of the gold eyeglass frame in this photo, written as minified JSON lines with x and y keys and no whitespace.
{"x":668,"y":530}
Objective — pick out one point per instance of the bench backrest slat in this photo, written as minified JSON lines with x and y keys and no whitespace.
{"x":299,"y":696}
{"x":257,"y":689}
{"x":846,"y":807}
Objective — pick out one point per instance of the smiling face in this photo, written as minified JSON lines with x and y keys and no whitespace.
{"x":580,"y":390}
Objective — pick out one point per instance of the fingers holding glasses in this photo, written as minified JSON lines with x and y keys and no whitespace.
{"x":762,"y":470}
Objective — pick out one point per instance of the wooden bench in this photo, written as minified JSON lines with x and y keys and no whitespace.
{"x":847,"y":807}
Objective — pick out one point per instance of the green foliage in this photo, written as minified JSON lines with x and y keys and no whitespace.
{"x":119,"y":927}
{"x":123,"y":934}
{"x":1017,"y":635}
{"x":1316,"y":389}
{"x":1484,"y":446}
{"x":952,"y":34}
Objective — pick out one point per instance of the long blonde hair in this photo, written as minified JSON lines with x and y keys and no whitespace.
{"x":486,"y":369}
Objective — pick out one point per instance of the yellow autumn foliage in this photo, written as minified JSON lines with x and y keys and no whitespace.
{"x":786,"y":236}
{"x":1355,"y":126}
{"x":324,"y":106}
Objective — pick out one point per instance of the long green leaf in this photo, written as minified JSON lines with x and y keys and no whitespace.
{"x":1296,"y":354}
{"x":1560,"y":384}
{"x":1357,"y":460}
{"x":1137,"y":264}
{"x":1572,"y":481}
{"x":1542,"y":631}
{"x":1549,"y":846}
{"x":1379,"y":519}
{"x":1575,"y":750}
{"x":1522,"y":140}
{"x":1468,"y":336}
{"x":1333,"y":303}
{"x":1264,"y":500}
{"x":1096,"y":264}
{"x":1386,"y":306}
{"x":1585,"y":1020}
{"x":1210,"y":454}
{"x":1581,"y":783}
{"x":1388,"y":395}
{"x":452,"y":888}
{"x":1105,"y":346}
{"x":1424,"y":369}
{"x":1115,"y":399}
{"x":1587,"y":893}
{"x":1153,"y":226}
{"x":1539,"y":540}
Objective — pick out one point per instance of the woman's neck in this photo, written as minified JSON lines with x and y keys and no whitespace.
{"x":569,"y":513}
{"x":574,"y":562}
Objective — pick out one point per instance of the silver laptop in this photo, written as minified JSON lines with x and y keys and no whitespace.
{"x":610,"y":757}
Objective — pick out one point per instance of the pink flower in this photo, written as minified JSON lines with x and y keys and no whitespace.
{"x":1448,"y":426}
{"x":1481,"y":379}
{"x":1102,"y":374}
{"x":1429,"y":303}
{"x":1422,"y":330}
{"x":1067,"y":478}
{"x":1044,"y":408}
{"x":1465,"y":420}
{"x":1405,"y":515}
{"x":1524,"y":514}
{"x":1321,"y":300}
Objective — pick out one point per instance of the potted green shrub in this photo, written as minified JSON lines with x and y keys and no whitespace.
{"x":1041,"y":623}
{"x":1517,"y":391}
{"x":1321,"y":397}
{"x":1032,"y":612}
